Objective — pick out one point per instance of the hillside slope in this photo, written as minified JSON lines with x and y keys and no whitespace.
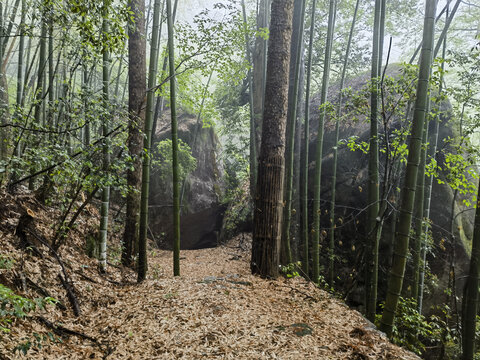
{"x":216,"y":309}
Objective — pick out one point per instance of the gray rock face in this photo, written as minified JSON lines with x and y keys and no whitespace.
{"x":351,"y":202}
{"x":202,"y":213}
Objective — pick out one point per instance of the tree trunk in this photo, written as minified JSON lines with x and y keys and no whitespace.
{"x":136,"y":111}
{"x":397,"y":271}
{"x":269,"y":190}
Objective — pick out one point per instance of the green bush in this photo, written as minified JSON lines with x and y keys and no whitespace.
{"x":411,"y":329}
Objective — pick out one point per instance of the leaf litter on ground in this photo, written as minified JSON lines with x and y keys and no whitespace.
{"x":215,"y":310}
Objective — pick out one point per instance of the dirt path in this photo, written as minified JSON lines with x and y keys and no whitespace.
{"x":215,"y":310}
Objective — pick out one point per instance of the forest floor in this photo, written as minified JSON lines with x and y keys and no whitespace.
{"x":215,"y":309}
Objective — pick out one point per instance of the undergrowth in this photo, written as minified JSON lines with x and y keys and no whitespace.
{"x":15,"y":306}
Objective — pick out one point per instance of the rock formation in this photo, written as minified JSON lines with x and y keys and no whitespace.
{"x":202,"y":212}
{"x":351,"y":200}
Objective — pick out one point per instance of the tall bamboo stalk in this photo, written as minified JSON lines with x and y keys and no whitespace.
{"x":306,"y":141}
{"x":470,"y":297}
{"x":42,"y":63}
{"x":3,"y":107}
{"x":397,"y":271}
{"x":51,"y":76}
{"x":85,"y":89}
{"x":286,"y":253}
{"x":331,"y":233}
{"x":21,"y":53}
{"x":428,"y":186}
{"x":319,"y":149}
{"x":419,"y":210}
{"x":173,"y":112}
{"x":103,"y":235}
{"x":152,"y":74}
{"x":41,"y":83}
{"x":259,"y":60}
{"x":253,"y":142}
{"x":373,"y":176}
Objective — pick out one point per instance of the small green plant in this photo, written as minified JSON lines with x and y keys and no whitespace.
{"x":291,"y":270}
{"x":323,"y":284}
{"x":36,"y":342}
{"x":411,"y":329}
{"x":170,"y":295}
{"x":6,"y":262}
{"x":16,"y":306}
{"x":157,"y":272}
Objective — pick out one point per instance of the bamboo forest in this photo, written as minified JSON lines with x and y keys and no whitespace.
{"x":240,"y":179}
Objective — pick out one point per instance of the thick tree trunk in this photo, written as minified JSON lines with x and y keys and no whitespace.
{"x":269,"y":190}
{"x":136,"y":109}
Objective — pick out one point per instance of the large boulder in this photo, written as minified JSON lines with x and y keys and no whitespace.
{"x":351,"y":202}
{"x":202,"y":211}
